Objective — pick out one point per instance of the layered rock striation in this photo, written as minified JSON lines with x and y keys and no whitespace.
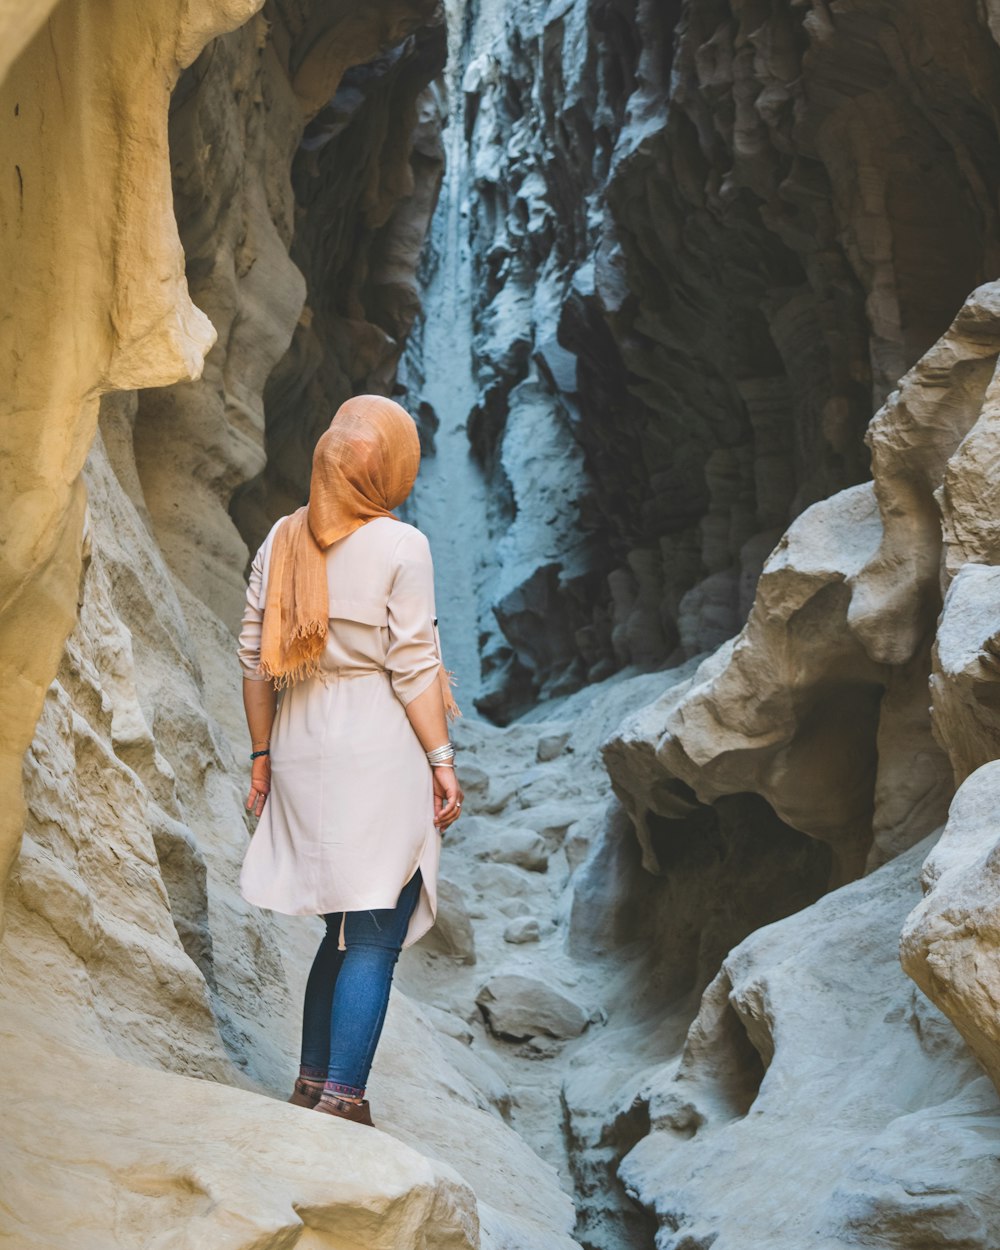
{"x":707,"y":240}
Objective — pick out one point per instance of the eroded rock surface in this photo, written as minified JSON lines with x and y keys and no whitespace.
{"x":707,"y":241}
{"x":698,"y":244}
{"x":833,"y":705}
{"x":126,"y":937}
{"x":882,"y":1115}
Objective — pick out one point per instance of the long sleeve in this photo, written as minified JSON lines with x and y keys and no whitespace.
{"x":253,"y":615}
{"x":412,"y":654}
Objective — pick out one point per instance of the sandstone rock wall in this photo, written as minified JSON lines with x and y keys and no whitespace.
{"x":129,"y":959}
{"x":95,"y":286}
{"x":685,"y":996}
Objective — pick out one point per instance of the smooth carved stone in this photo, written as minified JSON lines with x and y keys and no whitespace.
{"x":516,"y":1007}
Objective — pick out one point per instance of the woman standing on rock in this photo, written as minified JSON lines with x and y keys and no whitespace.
{"x":352,"y":770}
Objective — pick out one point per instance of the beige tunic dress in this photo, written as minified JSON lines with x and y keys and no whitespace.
{"x":350,"y":816}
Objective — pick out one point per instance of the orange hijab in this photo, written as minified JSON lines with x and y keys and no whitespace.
{"x":363,"y":467}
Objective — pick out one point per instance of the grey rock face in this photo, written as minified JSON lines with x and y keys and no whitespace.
{"x":702,"y":259}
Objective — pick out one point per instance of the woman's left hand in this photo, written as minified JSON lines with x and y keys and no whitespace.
{"x":260,"y":784}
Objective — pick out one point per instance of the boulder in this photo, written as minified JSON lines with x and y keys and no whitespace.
{"x":452,"y":934}
{"x":551,"y":745}
{"x":521,"y":847}
{"x":517,"y":1006}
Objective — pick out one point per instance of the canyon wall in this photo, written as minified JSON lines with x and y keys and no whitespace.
{"x":851,"y":704}
{"x":156,"y":359}
{"x":716,"y":958}
{"x":707,"y":241}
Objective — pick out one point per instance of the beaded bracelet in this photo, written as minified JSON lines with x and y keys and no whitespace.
{"x":255,"y":755}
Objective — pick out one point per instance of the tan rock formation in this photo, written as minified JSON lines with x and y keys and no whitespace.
{"x":158,"y":1159}
{"x":950,"y":940}
{"x":94,"y":269}
{"x":129,"y":959}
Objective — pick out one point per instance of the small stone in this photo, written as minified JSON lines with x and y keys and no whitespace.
{"x":523,"y":929}
{"x":576,"y":846}
{"x":551,"y":745}
{"x":513,"y":907}
{"x":475,"y":780}
{"x":501,"y":792}
{"x":500,"y":881}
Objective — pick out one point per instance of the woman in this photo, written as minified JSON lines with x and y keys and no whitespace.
{"x":352,"y":772}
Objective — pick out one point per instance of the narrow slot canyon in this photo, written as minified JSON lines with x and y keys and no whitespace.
{"x":695,"y":305}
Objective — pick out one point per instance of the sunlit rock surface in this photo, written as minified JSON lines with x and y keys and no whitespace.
{"x":130,"y":962}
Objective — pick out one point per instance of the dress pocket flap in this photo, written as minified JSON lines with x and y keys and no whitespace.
{"x":367,"y":611}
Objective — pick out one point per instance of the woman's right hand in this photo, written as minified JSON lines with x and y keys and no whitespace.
{"x":448,"y":797}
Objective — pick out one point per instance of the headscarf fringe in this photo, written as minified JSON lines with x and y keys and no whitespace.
{"x":451,"y":708}
{"x":290,"y":669}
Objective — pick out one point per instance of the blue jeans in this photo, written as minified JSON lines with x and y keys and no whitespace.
{"x":347,"y":993}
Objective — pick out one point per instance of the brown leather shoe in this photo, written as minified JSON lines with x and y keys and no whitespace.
{"x":306,"y":1093}
{"x":359,"y":1112}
